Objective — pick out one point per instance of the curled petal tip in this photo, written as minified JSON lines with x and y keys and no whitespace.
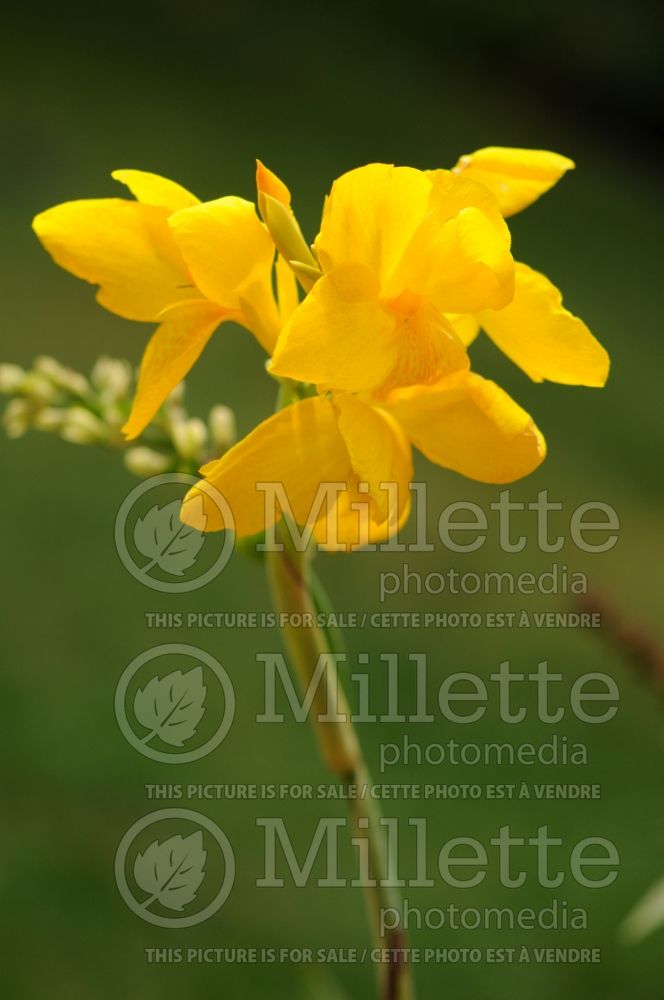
{"x":267,"y":182}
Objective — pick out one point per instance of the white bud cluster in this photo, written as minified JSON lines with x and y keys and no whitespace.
{"x":54,"y":399}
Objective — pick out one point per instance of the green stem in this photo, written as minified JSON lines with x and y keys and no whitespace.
{"x":289,"y":578}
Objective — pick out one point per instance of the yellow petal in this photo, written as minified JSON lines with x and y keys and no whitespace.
{"x":339,"y":335}
{"x":303,"y":448}
{"x":517,"y":177}
{"x":259,"y":314}
{"x":151,"y":189}
{"x":268,"y":183}
{"x":463,"y":263}
{"x":465,"y":326}
{"x":452,"y":192}
{"x":470,"y":425}
{"x":543,"y":338}
{"x":124,"y":247}
{"x":172,"y":351}
{"x":300,"y":447}
{"x":379,"y":454}
{"x":370,"y":216}
{"x":355,"y":526}
{"x":225,"y":246}
{"x":461,"y":251}
{"x":428,"y":347}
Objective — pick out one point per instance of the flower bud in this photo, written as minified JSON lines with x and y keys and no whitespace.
{"x":11,"y":378}
{"x":37,"y":387}
{"x":16,"y":418}
{"x":190,"y":438}
{"x":112,"y":377}
{"x":61,"y":377}
{"x":223,"y":434}
{"x":48,"y":419}
{"x":286,"y":233}
{"x":145,"y":462}
{"x":82,"y":427}
{"x":307,"y":275}
{"x":113,"y":414}
{"x":48,"y":366}
{"x":267,"y":182}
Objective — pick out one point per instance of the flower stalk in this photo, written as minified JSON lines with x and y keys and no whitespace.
{"x":290,"y":580}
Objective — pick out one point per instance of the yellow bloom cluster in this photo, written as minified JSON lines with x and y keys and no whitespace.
{"x":408,"y":266}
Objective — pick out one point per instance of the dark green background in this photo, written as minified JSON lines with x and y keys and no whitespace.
{"x":196,"y":91}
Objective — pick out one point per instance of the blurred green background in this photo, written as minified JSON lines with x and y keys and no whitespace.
{"x":196,"y":91}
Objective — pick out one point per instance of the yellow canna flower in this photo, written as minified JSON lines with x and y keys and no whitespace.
{"x":406,"y":268}
{"x":399,"y":249}
{"x":411,"y":264}
{"x":168,"y":258}
{"x":363,"y":450}
{"x":415,"y":262}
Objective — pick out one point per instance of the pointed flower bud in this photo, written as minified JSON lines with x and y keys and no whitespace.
{"x":274,"y":205}
{"x":285,"y":231}
{"x":267,"y":182}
